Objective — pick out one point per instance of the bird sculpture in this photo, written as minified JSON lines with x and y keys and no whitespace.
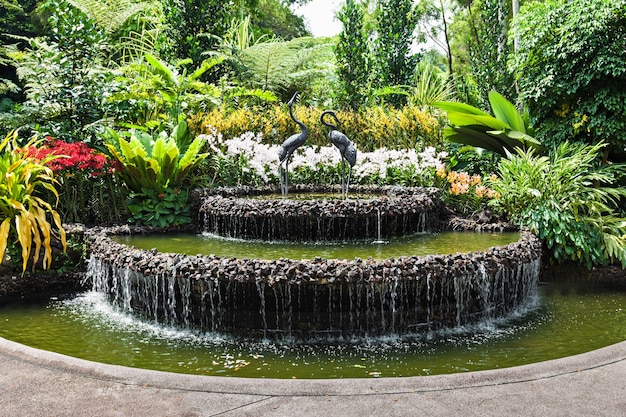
{"x":289,"y":146}
{"x":345,"y":146}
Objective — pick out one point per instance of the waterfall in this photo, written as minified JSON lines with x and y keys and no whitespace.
{"x":357,"y":298}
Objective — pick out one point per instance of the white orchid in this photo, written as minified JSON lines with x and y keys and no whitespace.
{"x":263,"y":158}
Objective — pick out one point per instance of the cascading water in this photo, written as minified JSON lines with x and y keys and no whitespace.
{"x":380,"y":300}
{"x":309,"y":298}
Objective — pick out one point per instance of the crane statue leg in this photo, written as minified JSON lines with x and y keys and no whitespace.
{"x":348,"y":182}
{"x":284,"y":177}
{"x":343,"y":178}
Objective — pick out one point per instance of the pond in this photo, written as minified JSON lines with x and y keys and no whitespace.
{"x":563,"y":320}
{"x":448,"y":242}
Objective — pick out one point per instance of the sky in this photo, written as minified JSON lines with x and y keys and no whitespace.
{"x":319,"y":16}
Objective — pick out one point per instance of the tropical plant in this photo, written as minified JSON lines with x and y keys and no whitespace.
{"x":111,"y":15}
{"x":501,"y":134}
{"x":571,"y":70}
{"x":156,"y":162}
{"x":89,"y":191}
{"x":303,"y":64}
{"x":156,"y":169}
{"x":163,"y":95}
{"x":25,"y":215}
{"x":568,"y":199}
{"x":430,"y":85}
{"x":168,"y":208}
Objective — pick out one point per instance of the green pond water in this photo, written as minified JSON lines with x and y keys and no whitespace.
{"x":414,"y":245}
{"x":565,"y":319}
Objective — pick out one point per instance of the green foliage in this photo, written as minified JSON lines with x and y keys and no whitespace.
{"x":230,"y":171}
{"x":156,"y":162}
{"x":14,"y":19}
{"x":111,"y":15}
{"x":167,"y":208}
{"x":193,"y":28}
{"x":488,"y":50}
{"x":370,"y":128}
{"x":501,"y":134}
{"x":302,"y":64}
{"x":158,"y":96}
{"x":24,"y":213}
{"x":430,"y":85}
{"x":275,"y":18}
{"x":568,"y":200}
{"x":63,"y":78}
{"x":472,"y":160}
{"x":571,"y":69}
{"x":393,"y":61}
{"x":352,"y":55}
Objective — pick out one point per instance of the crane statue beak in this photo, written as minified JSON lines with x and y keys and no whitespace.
{"x":294,"y":99}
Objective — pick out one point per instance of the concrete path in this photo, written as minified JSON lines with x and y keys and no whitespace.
{"x":39,"y":383}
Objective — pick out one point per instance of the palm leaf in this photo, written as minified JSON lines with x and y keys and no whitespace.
{"x":505,"y":110}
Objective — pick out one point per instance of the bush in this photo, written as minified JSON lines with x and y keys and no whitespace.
{"x":567,"y":200}
{"x":89,"y":189}
{"x":370,"y":129}
{"x":25,"y":215}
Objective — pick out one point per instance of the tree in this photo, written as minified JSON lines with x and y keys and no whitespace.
{"x":193,"y":27}
{"x":275,"y":18}
{"x":488,"y":50}
{"x":394,"y":62}
{"x":352,"y":54}
{"x":571,"y":68}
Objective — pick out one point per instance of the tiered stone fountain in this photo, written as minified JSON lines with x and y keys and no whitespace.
{"x":310,"y":298}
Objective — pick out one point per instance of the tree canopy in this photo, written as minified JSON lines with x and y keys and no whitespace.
{"x":571,"y":69}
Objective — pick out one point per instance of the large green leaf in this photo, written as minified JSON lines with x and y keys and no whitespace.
{"x":454,"y":106}
{"x":464,"y":119}
{"x":473,"y":137}
{"x":505,"y":110}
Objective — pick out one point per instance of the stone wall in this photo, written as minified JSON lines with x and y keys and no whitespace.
{"x":371,"y":213}
{"x":320,"y":296}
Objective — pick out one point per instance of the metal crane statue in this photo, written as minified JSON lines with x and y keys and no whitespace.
{"x":289,"y":146}
{"x":345,"y":146}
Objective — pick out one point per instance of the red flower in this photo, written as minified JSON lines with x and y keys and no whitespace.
{"x":76,"y":155}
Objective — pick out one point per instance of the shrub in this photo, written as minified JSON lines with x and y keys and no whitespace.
{"x":373,"y":128}
{"x":89,"y":190}
{"x":567,"y":200}
{"x":25,"y":215}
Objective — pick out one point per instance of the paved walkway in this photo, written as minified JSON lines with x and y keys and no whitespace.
{"x":39,"y":383}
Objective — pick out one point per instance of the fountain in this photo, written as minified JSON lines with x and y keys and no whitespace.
{"x":317,"y":297}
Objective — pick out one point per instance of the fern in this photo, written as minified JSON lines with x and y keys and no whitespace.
{"x":112,"y":14}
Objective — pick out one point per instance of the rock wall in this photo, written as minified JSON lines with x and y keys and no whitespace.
{"x":320,"y":296}
{"x":371,"y":213}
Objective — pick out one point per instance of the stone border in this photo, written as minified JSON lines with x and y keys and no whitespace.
{"x":151,"y":262}
{"x":369,"y":213}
